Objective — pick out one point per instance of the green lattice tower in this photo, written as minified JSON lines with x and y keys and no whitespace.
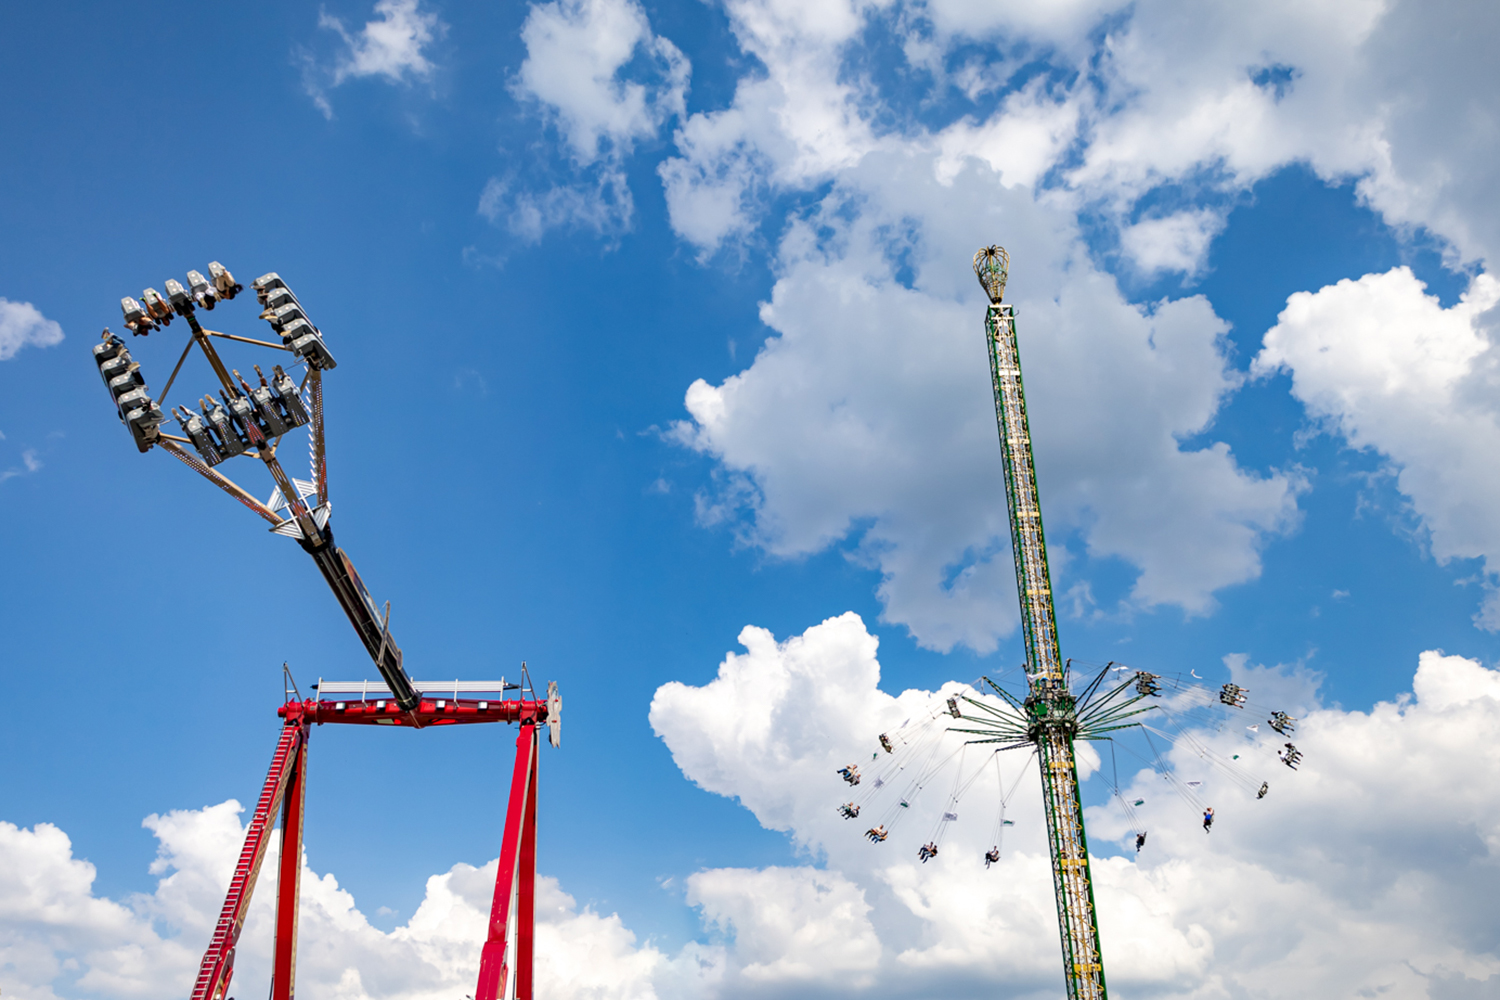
{"x":1050,"y":709}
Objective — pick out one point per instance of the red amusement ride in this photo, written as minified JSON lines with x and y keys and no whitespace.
{"x":252,"y":421}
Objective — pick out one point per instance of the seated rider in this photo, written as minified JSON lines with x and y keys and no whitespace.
{"x":1140,"y":842}
{"x":991,"y":856}
{"x":1208,"y":819}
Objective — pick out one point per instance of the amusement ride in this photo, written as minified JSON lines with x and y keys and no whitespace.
{"x":252,"y":418}
{"x":245,"y":418}
{"x":1047,"y":719}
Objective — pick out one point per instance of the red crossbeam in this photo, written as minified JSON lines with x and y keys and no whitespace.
{"x":431,"y":712}
{"x":285,"y":787}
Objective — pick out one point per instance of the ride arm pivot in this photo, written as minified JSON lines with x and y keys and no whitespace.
{"x":309,"y":527}
{"x":365,"y":616}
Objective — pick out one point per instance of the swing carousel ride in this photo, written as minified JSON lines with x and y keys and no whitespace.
{"x":1151,"y":717}
{"x":252,"y":418}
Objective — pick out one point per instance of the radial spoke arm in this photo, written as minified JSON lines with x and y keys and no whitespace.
{"x":1096,"y":704}
{"x":316,"y":442}
{"x":1111,"y":719}
{"x":247,"y":340}
{"x":1010,"y":698}
{"x":186,"y":348}
{"x":1088,"y":692}
{"x":192,"y":462}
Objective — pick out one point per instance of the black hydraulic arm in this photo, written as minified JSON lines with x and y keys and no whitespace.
{"x":364,"y":615}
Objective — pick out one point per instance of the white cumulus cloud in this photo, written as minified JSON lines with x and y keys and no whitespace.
{"x":1384,"y":93}
{"x":22,"y":324}
{"x":1177,"y":242}
{"x":392,"y":45}
{"x":604,"y":206}
{"x":794,"y":124}
{"x":866,"y":421}
{"x":1149,"y":122}
{"x":1384,"y":365}
{"x":596,"y":71}
{"x":1370,"y":871}
{"x":868,"y":416}
{"x":576,"y":51}
{"x":29,"y":464}
{"x":59,"y":939}
{"x":1367,"y":872}
{"x":791,"y":926}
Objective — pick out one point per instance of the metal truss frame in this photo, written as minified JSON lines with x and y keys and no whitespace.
{"x":506,"y":959}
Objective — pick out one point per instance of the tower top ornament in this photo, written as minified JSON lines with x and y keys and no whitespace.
{"x":992,"y":267}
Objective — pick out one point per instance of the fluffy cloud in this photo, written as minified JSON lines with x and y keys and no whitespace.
{"x":1386,"y":93}
{"x":391,"y":46}
{"x":869,"y":414}
{"x":605,"y":206}
{"x":1368,"y":871}
{"x":790,"y":925}
{"x":793,"y":125}
{"x":29,"y":464}
{"x":1060,"y":129}
{"x":576,"y":51}
{"x":1384,"y":365}
{"x":22,"y":323}
{"x":58,"y":939}
{"x":1148,"y":124}
{"x":1177,"y":242}
{"x":770,"y":731}
{"x":598,"y":73}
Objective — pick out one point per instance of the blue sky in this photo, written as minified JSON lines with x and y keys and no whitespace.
{"x":654,"y":322}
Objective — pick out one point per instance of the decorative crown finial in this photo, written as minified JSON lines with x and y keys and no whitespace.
{"x":992,"y":266}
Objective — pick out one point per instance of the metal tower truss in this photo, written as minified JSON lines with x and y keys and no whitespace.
{"x":1050,"y":717}
{"x":505,"y":970}
{"x":251,"y":420}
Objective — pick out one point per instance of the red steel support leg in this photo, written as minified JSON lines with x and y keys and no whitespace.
{"x":217,"y":966}
{"x":526,"y":905}
{"x":284,"y":966}
{"x":493,"y":971}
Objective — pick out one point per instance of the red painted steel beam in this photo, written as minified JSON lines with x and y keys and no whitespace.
{"x":285,"y":788}
{"x":430,"y":712}
{"x":217,"y":967}
{"x":493,"y":971}
{"x":526,"y":882}
{"x":284,"y":965}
